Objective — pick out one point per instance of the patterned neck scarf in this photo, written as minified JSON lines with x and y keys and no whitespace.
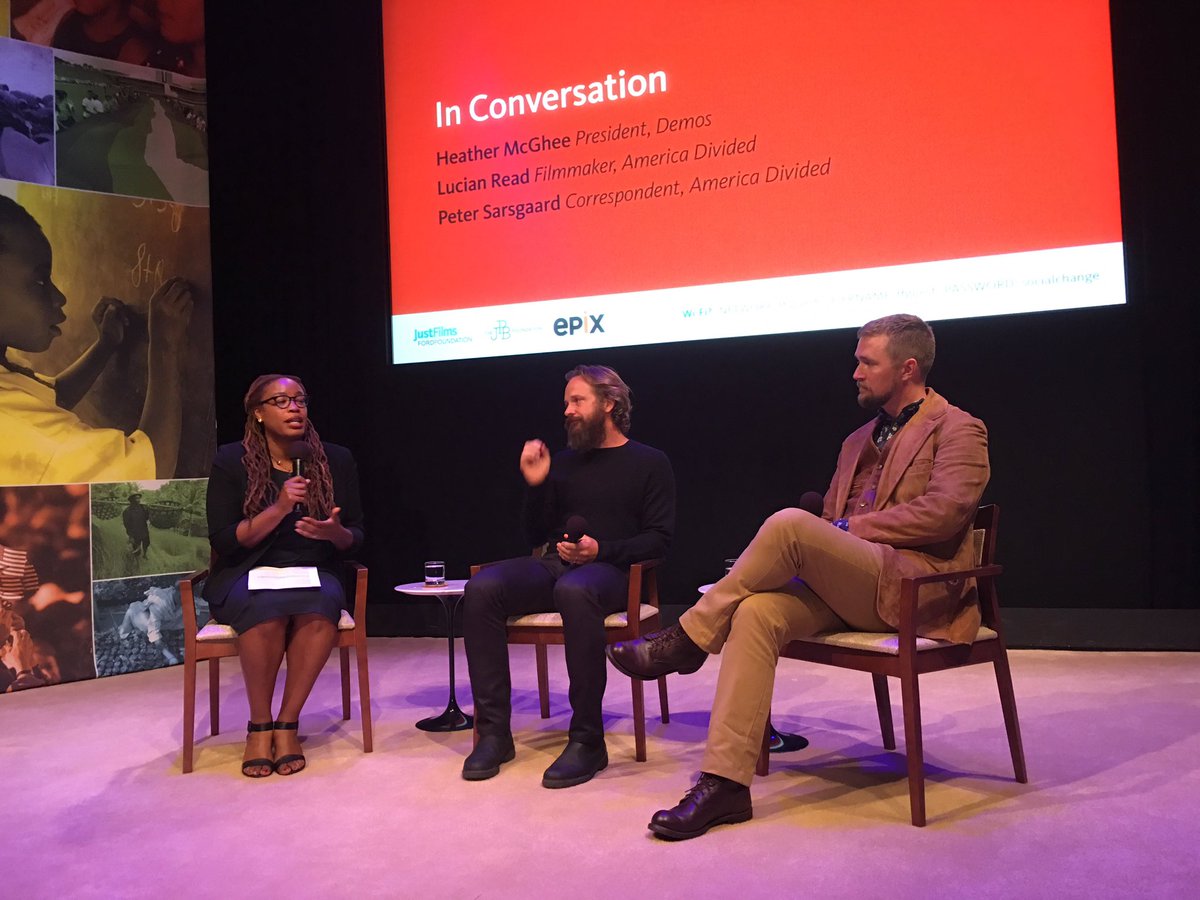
{"x":886,"y":427}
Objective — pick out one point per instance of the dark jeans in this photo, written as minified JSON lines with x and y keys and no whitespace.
{"x":582,"y":595}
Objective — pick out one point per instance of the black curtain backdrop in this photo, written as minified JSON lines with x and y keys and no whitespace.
{"x":1092,"y":413}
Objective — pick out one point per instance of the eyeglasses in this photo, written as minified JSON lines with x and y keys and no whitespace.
{"x":283,"y":401}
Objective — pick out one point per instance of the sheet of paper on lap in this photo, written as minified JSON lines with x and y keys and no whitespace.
{"x":271,"y":578}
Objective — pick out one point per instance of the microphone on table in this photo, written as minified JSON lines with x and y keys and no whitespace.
{"x":811,"y":502}
{"x":299,"y":453}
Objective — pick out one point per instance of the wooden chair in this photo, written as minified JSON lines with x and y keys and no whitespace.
{"x":215,"y":641}
{"x":907,"y":656}
{"x":641,"y":614}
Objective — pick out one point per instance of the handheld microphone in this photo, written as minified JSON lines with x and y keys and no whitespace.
{"x":575,"y":528}
{"x":811,"y":502}
{"x":299,"y":453}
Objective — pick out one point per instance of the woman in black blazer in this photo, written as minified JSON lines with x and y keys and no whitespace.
{"x":260,"y":513}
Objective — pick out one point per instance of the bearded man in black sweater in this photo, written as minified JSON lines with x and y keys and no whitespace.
{"x":625,"y":491}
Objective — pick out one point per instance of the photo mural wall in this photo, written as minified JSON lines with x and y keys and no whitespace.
{"x":107,"y":425}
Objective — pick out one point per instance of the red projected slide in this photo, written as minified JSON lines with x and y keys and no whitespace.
{"x":688,"y":171}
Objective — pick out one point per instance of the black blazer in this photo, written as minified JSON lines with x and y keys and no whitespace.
{"x":227,"y":491}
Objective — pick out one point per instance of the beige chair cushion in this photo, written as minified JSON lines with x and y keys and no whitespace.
{"x":885,"y":642}
{"x":554,"y":620}
{"x":215,"y":631}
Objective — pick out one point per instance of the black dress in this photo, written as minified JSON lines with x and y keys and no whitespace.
{"x":227,"y":591}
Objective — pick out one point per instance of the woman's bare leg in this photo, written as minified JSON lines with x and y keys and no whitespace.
{"x":260,"y":651}
{"x":310,"y":641}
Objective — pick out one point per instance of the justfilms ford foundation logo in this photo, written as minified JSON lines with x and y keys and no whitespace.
{"x":424,"y":334}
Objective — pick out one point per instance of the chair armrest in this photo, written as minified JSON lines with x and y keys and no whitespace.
{"x":195,"y":578}
{"x":358,"y":573}
{"x":934,"y":577}
{"x":475,"y":569}
{"x":641,"y":574}
{"x":911,"y":585}
{"x":188,"y":588}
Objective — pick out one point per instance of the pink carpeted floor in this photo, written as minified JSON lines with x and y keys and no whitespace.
{"x":94,"y":803}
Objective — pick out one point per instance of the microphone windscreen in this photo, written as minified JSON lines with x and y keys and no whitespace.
{"x":575,"y":528}
{"x":812,"y":502}
{"x":299,"y":450}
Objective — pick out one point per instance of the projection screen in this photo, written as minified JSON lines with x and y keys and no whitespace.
{"x":632,"y":172}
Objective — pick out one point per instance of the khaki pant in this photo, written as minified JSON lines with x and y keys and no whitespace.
{"x":799,"y":576}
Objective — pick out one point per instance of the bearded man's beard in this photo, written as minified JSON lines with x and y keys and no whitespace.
{"x":585,"y":434}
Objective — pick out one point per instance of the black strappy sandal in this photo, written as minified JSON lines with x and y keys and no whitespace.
{"x":291,"y":757}
{"x":261,"y":762}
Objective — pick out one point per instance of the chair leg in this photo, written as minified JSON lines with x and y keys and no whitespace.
{"x":364,"y":692}
{"x":189,"y":711}
{"x":214,"y":694}
{"x":543,"y":677}
{"x":763,"y":767}
{"x":639,"y":720}
{"x":664,"y":708}
{"x":344,"y":654}
{"x":1008,"y":703}
{"x":883,"y":703}
{"x":912,"y":746}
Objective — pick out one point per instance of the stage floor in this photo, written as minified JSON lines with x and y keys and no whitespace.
{"x":94,"y":803}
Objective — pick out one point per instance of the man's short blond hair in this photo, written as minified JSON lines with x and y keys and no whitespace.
{"x":908,"y":337}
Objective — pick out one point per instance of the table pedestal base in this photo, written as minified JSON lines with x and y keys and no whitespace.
{"x":453,"y":719}
{"x":781,"y":742}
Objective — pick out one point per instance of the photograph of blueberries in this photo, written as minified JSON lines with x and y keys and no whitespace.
{"x":139,"y":624}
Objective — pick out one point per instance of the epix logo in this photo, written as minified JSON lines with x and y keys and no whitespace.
{"x":585,"y":324}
